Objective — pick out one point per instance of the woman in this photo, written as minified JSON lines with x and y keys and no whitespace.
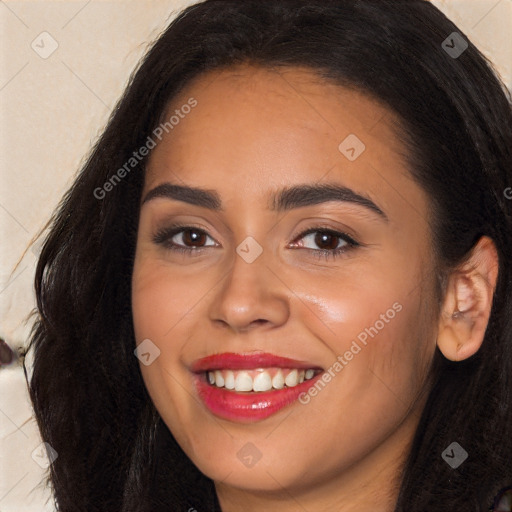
{"x":274,"y":371}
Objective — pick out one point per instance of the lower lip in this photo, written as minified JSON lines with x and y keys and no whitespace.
{"x":248,"y":407}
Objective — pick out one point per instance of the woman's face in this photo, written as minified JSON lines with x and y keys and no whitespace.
{"x":322,"y":301}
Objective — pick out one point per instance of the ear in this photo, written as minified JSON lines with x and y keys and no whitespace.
{"x":467,"y":303}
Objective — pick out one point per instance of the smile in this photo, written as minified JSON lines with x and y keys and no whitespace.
{"x":251,"y":387}
{"x":260,"y":379}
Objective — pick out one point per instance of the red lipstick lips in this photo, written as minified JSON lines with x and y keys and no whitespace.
{"x":224,"y":383}
{"x":246,"y":361}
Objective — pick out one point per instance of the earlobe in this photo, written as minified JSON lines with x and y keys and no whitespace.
{"x":468,"y":302}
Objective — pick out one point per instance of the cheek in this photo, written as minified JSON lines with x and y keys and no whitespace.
{"x":158,"y":301}
{"x":370,"y":315}
{"x":166,"y":301}
{"x":381,"y":337}
{"x":381,"y":340}
{"x":166,"y":306}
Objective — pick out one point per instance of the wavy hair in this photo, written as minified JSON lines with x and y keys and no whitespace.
{"x":115,"y":453}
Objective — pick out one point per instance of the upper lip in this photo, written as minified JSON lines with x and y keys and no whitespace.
{"x":234,"y":361}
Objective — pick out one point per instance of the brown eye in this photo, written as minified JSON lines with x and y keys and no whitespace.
{"x":193,"y":237}
{"x":325,"y":243}
{"x":326,"y":240}
{"x":183,"y":238}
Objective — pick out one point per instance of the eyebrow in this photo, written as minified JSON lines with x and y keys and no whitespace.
{"x":288,"y":198}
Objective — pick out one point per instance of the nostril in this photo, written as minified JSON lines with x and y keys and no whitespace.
{"x":255,"y":323}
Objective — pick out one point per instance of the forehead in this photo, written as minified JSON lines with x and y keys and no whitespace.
{"x":255,"y":130}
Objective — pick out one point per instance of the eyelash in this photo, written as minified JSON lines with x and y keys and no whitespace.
{"x":164,"y":236}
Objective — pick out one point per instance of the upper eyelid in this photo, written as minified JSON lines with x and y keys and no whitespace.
{"x":304,"y":232}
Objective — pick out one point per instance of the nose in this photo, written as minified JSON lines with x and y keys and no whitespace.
{"x":250,"y":296}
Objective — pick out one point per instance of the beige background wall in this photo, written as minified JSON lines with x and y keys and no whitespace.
{"x":63,"y":66}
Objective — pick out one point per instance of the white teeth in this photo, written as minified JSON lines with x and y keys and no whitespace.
{"x":258,"y":380}
{"x":229,"y":381}
{"x":219,"y":379}
{"x":262,"y":382}
{"x":243,"y":382}
{"x":278,"y":380}
{"x":292,"y":379}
